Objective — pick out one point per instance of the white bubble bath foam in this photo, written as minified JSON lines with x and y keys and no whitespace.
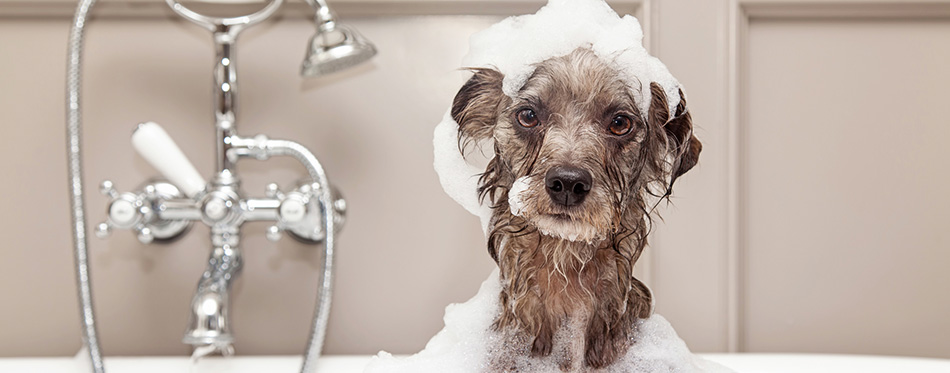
{"x":467,"y":345}
{"x":513,"y":46}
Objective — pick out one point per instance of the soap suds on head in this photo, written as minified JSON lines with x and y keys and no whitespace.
{"x":515,"y":45}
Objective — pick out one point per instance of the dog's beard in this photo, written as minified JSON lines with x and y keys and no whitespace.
{"x":523,"y":200}
{"x":567,"y":229}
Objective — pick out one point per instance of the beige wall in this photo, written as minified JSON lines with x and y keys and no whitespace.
{"x":845,"y":189}
{"x":813,"y":223}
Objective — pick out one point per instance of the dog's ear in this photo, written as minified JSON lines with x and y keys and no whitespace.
{"x":684,"y":147}
{"x":475,"y":108}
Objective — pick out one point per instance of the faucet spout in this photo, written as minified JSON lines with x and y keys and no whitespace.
{"x":210,"y":325}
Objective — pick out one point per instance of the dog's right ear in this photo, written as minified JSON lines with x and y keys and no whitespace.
{"x":476,"y":105}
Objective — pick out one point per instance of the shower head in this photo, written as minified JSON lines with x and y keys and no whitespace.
{"x":335,"y":50}
{"x":334,"y":47}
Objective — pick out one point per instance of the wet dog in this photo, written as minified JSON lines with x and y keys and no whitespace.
{"x":577,"y":171}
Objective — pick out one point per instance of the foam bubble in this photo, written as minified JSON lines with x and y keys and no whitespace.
{"x":515,"y":202}
{"x":459,"y":178}
{"x":467,"y":344}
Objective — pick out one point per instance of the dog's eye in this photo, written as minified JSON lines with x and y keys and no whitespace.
{"x":621,"y":125}
{"x":527,"y":118}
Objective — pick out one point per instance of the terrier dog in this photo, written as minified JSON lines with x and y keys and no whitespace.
{"x":577,"y":171}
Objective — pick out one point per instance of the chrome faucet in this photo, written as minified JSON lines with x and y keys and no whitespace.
{"x":163,"y":210}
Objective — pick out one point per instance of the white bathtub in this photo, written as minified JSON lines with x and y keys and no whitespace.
{"x":742,"y":363}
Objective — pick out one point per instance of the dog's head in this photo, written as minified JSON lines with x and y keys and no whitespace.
{"x":574,"y":156}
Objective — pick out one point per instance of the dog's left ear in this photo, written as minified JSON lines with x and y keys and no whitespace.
{"x":683,"y":146}
{"x":476,"y":105}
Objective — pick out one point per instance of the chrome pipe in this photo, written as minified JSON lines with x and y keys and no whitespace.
{"x":323,"y":17}
{"x":253,"y":209}
{"x":74,"y":148}
{"x":258,"y":209}
{"x":225,"y":93}
{"x":178,"y":209}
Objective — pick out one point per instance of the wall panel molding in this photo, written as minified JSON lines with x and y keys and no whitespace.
{"x":740,"y":14}
{"x":295,"y":8}
{"x":890,"y":9}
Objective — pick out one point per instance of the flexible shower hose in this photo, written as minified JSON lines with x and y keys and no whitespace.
{"x":321,"y":313}
{"x":74,"y":140}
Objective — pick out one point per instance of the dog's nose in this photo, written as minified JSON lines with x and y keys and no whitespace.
{"x":567,"y":185}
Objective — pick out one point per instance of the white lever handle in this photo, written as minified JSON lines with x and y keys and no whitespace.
{"x":154,"y":144}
